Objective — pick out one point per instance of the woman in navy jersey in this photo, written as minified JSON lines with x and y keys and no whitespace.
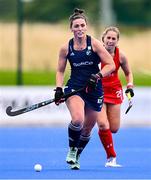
{"x":84,"y":53}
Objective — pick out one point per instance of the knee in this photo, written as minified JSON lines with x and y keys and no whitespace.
{"x":114,"y":129}
{"x":77,"y":120}
{"x":103,"y":125}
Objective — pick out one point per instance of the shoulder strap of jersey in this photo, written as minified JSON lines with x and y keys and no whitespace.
{"x":70,"y":47}
{"x":89,"y":46}
{"x":116,"y":57}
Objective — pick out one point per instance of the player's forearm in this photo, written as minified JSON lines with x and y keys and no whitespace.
{"x":129,"y":78}
{"x":59,"y":79}
{"x":107,"y":69}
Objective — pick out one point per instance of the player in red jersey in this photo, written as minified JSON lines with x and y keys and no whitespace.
{"x":113,"y":93}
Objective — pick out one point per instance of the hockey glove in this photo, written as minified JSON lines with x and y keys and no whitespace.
{"x":58,"y":95}
{"x":129,"y":90}
{"x":92,"y":82}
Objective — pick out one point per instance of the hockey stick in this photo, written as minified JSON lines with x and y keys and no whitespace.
{"x":130,"y":103}
{"x":9,"y":111}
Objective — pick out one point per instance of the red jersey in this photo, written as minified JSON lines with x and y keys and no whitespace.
{"x":112,"y":87}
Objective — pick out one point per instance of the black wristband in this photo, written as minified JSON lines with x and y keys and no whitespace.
{"x":58,"y":89}
{"x":99,"y":74}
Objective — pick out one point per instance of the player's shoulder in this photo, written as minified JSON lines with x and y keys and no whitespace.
{"x":63,"y":50}
{"x":122,"y":53}
{"x":122,"y":56}
{"x":64,"y":47}
{"x":96,"y":43}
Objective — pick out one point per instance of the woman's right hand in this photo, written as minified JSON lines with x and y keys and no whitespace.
{"x":92,"y":82}
{"x":58,"y":95}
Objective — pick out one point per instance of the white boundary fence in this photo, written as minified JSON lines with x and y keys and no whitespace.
{"x":19,"y":97}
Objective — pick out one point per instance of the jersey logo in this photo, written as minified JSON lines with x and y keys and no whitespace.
{"x":86,"y":63}
{"x":88,"y":52}
{"x":72,"y":54}
{"x":100,"y":100}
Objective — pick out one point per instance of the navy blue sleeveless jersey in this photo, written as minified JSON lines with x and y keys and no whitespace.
{"x":84,"y":63}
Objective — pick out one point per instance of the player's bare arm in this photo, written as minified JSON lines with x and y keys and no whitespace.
{"x":105,"y":57}
{"x":126,"y":68}
{"x":61,"y":65}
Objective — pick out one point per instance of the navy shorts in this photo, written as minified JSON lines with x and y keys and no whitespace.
{"x":93,"y":100}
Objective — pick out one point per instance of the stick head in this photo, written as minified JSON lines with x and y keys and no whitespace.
{"x":130,"y":104}
{"x":8,"y":110}
{"x":129,"y":107}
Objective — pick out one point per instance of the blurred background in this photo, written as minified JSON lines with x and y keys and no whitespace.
{"x":32,"y":32}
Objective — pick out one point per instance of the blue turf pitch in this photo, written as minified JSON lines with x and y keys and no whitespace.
{"x":21,"y":148}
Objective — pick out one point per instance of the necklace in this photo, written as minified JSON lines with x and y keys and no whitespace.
{"x":80,"y":45}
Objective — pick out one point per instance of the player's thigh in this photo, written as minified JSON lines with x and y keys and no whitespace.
{"x":102,"y":120}
{"x":76,"y":108}
{"x":113,"y":113}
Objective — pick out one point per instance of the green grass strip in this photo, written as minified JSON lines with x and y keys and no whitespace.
{"x":40,"y":78}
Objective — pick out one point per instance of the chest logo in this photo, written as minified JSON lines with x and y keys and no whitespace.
{"x":72,"y":54}
{"x":88,"y":52}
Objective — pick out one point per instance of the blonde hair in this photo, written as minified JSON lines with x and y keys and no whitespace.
{"x":77,"y":14}
{"x":111,"y":28}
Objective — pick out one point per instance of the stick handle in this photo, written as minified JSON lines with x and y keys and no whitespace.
{"x":128,"y":96}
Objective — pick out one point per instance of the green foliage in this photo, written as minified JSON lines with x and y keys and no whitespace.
{"x":136,"y":12}
{"x":48,"y":78}
{"x":8,"y":10}
{"x":59,"y":10}
{"x":133,"y":12}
